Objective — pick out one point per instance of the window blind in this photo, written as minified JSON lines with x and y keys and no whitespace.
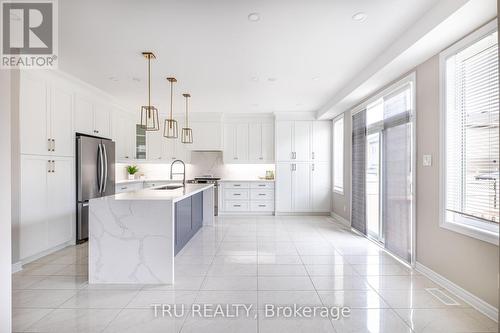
{"x":472,"y":139}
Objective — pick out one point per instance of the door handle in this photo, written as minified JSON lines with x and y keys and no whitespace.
{"x":53,"y":144}
{"x":105,"y":153}
{"x":312,"y":167}
{"x":53,"y":166}
{"x":49,"y":146}
{"x":312,"y":155}
{"x":100,"y":167}
{"x":236,"y":194}
{"x":49,"y":166}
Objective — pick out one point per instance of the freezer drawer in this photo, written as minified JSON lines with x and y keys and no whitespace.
{"x":82,"y":222}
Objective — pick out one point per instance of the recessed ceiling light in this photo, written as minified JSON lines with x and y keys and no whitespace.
{"x":254,"y":17}
{"x":272,"y":79}
{"x":359,"y":17}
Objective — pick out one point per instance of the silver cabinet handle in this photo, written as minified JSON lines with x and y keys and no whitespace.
{"x":105,"y":153}
{"x":53,"y":166}
{"x":49,"y":167}
{"x":49,"y":145}
{"x":262,"y":185}
{"x":312,"y":167}
{"x":262,"y":205}
{"x":236,"y":205}
{"x":123,"y":188}
{"x":312,"y":155}
{"x":262,"y":194}
{"x":236,"y":194}
{"x":261,"y":158}
{"x":236,"y":185}
{"x":53,"y":144}
{"x":235,"y":158}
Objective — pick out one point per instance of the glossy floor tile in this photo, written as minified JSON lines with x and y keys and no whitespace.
{"x":254,"y":261}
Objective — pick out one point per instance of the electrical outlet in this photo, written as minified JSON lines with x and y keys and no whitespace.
{"x":427,"y":160}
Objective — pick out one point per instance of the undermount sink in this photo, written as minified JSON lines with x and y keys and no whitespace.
{"x":168,"y":187}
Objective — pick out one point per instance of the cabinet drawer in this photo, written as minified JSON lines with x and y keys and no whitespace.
{"x":236,"y":185}
{"x":262,"y":185}
{"x":121,"y":188}
{"x":236,"y":206}
{"x":257,"y":194}
{"x":235,"y":194}
{"x":262,"y":206}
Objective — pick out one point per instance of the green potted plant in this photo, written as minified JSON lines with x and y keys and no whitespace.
{"x":132,"y":170}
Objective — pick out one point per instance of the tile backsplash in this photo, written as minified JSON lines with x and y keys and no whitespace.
{"x":202,"y":163}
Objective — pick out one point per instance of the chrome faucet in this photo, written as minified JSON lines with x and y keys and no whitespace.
{"x":178,"y":173}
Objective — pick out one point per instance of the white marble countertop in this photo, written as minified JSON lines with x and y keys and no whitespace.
{"x":246,"y":180}
{"x":152,"y":194}
{"x":126,"y":181}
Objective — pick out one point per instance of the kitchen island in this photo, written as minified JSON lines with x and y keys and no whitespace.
{"x":134,"y":236}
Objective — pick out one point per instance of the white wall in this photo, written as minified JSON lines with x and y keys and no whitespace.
{"x":5,"y":204}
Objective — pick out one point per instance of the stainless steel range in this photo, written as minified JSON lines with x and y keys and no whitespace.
{"x":209,"y":179}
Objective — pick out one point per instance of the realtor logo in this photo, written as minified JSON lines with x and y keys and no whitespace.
{"x":29,"y":34}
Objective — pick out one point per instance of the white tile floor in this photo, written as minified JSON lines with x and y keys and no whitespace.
{"x":249,"y":260}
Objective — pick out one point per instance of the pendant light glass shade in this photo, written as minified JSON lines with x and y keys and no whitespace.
{"x":149,"y":114}
{"x":170,"y":129}
{"x":186,"y":132}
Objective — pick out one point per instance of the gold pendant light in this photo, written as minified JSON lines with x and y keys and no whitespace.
{"x":186,"y":132}
{"x":149,"y":114}
{"x":170,"y":128}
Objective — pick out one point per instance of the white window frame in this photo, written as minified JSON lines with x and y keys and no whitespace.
{"x":463,"y":225}
{"x":338,"y":189}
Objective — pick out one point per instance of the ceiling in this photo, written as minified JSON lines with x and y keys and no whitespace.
{"x":295,"y":58}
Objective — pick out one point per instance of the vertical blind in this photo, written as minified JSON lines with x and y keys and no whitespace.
{"x":358,"y":193}
{"x":472,"y":139}
{"x":338,"y":155}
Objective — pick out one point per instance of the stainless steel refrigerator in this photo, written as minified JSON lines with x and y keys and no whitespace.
{"x":95,"y":177}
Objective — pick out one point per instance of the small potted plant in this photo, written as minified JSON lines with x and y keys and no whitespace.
{"x":132,"y":170}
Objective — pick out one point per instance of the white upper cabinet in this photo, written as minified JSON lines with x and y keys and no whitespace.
{"x":248,"y":142}
{"x":322,"y":141}
{"x":34,"y":116}
{"x":61,"y":124}
{"x":84,"y":118}
{"x":46,"y":117}
{"x":102,"y":120}
{"x":302,"y":137}
{"x":261,"y":142}
{"x":92,"y":117}
{"x":302,"y":141}
{"x":284,"y":140}
{"x":154,"y":144}
{"x":124,"y":135}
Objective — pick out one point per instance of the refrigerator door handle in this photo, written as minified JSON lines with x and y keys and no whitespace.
{"x":100,"y":167}
{"x":105,"y":153}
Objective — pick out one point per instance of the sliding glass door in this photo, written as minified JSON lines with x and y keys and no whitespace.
{"x":383,"y":171}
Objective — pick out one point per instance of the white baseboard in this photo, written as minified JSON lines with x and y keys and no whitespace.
{"x":476,"y":302}
{"x":302,"y":214}
{"x":17,"y":267}
{"x":45,"y":253}
{"x":340,"y":219}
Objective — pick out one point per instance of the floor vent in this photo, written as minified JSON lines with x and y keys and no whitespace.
{"x":440,"y":295}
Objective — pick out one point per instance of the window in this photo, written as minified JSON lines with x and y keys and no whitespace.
{"x":338,"y":155}
{"x":470,"y":192}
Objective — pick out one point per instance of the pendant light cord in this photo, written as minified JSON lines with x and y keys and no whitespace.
{"x":171,"y":98}
{"x":149,"y":82}
{"x":187,"y":111}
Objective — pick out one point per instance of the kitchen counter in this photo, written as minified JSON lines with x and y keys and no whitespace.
{"x":133,"y":236}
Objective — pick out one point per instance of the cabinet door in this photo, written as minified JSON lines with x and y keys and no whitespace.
{"x":302,"y":187}
{"x":322,"y":141}
{"x":61,"y":206}
{"x":33,"y":237}
{"x":84,"y":115}
{"x":34,"y":115}
{"x":321,"y":186}
{"x":154,"y":140}
{"x":230,"y":155}
{"x":284,"y":187}
{"x":302,"y":140}
{"x":242,"y":142}
{"x":284,"y":140}
{"x":61,"y":121}
{"x":268,"y":142}
{"x":255,"y":142}
{"x":102,"y":120}
{"x":124,"y":135}
{"x":168,"y":147}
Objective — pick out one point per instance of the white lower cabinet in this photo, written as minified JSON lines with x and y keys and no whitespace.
{"x":47,"y":202}
{"x":303,"y":187}
{"x":246,"y":197}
